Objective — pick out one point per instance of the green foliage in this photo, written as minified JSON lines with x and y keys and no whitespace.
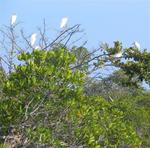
{"x":137,"y":110}
{"x":2,"y":79}
{"x":116,"y":49}
{"x":82,"y":55}
{"x":99,"y":124}
{"x":43,"y":100}
{"x":37,"y":92}
{"x":134,"y":62}
{"x":115,"y":86}
{"x":48,"y":70}
{"x":3,"y":146}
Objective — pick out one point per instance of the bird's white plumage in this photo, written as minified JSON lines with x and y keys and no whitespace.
{"x":136,"y":45}
{"x":63,"y":22}
{"x":118,"y":55}
{"x":37,"y":47}
{"x":13,"y":19}
{"x":33,"y":39}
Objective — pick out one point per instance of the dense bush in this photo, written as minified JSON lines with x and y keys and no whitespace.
{"x":98,"y":124}
{"x":137,"y":110}
{"x":43,"y":100}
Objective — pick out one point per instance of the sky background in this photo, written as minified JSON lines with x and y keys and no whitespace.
{"x":102,"y":20}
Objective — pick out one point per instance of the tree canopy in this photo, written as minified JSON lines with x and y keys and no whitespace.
{"x":50,"y":96}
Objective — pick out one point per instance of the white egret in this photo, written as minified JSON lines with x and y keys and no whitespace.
{"x":33,"y":39}
{"x":136,"y":45}
{"x":37,"y":47}
{"x":63,"y":22}
{"x":118,"y":55}
{"x":13,"y":19}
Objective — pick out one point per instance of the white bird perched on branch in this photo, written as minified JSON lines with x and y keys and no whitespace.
{"x":33,"y":39}
{"x":118,"y":55}
{"x":37,"y":47}
{"x":63,"y":22}
{"x":136,"y":45}
{"x":13,"y":19}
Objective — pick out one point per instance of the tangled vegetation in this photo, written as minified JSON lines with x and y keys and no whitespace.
{"x":50,"y":99}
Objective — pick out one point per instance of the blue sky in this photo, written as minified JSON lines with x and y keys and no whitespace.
{"x":102,"y":20}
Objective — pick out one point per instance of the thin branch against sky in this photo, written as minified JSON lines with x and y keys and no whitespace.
{"x":103,"y":20}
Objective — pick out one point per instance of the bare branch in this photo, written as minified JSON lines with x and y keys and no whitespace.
{"x":61,"y":34}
